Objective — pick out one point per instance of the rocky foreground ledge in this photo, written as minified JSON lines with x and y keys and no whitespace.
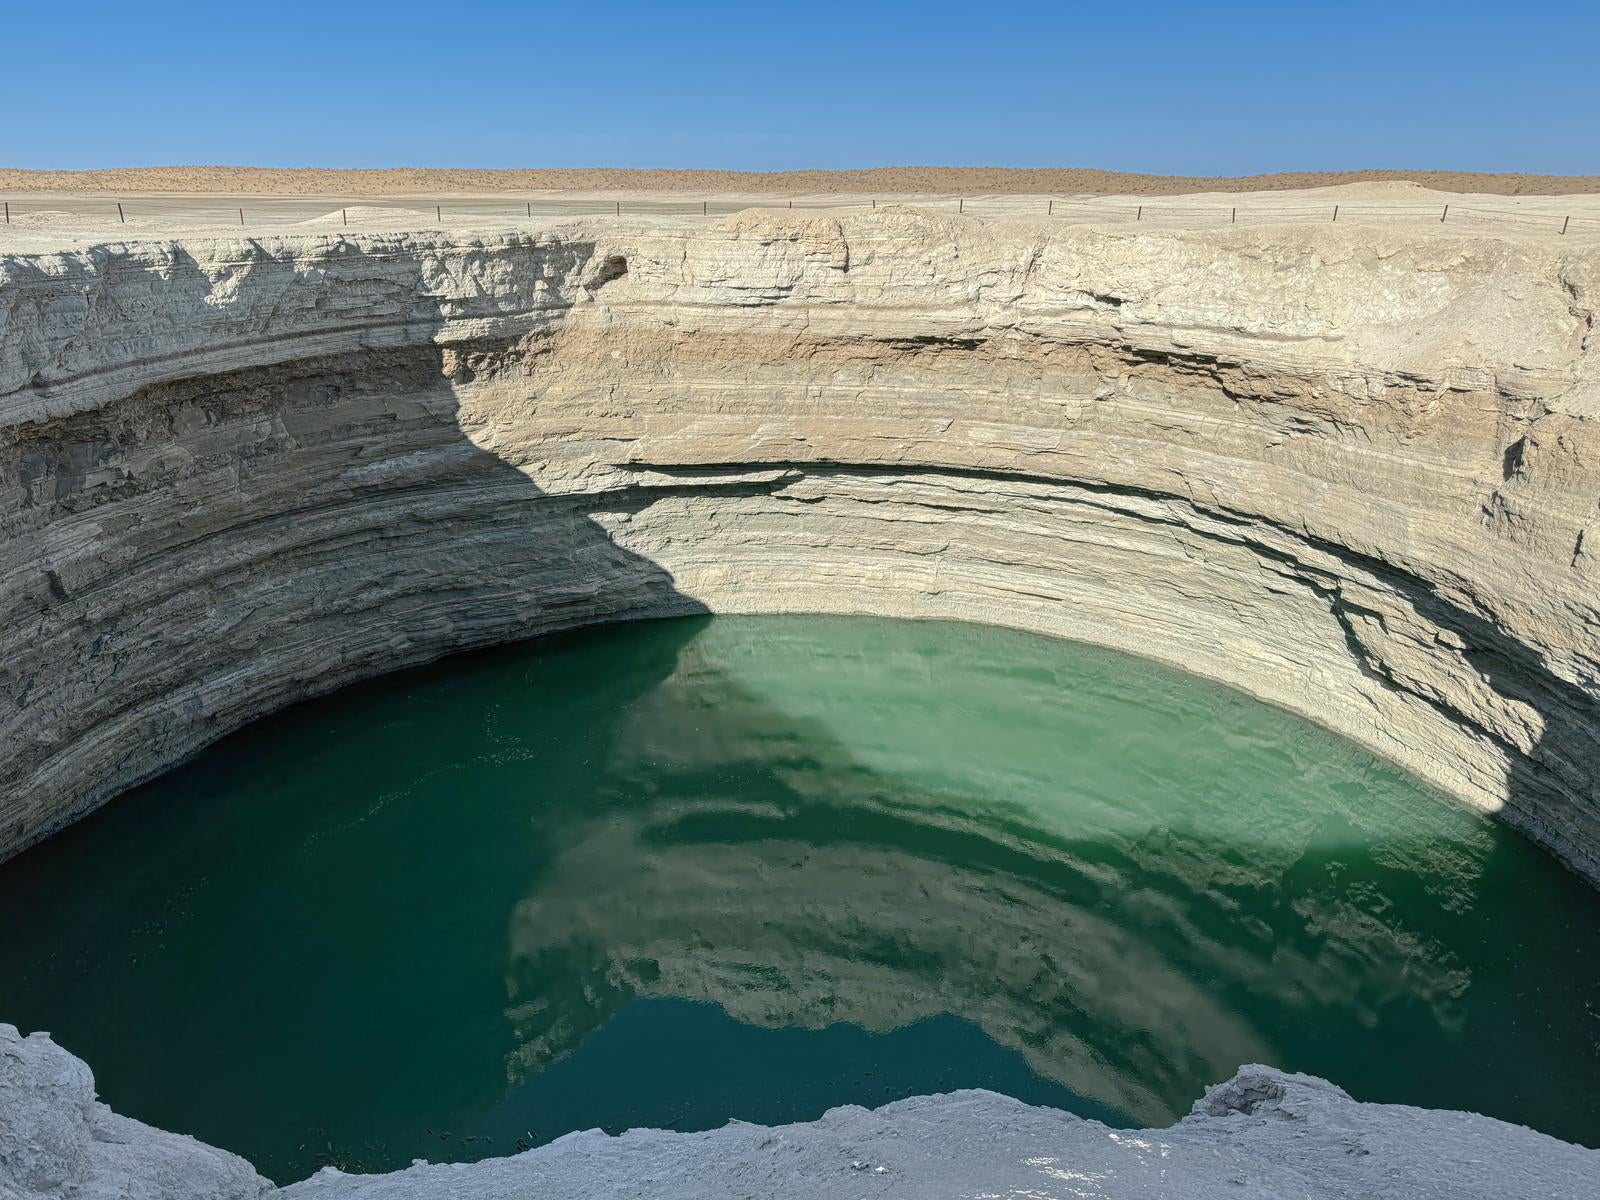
{"x":1263,"y":1133}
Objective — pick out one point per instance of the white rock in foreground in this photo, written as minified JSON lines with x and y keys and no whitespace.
{"x":1264,"y":1133}
{"x":57,"y":1140}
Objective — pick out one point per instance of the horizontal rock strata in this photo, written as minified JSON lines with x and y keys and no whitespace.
{"x":1352,"y":472}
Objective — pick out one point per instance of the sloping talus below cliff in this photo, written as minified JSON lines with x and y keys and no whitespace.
{"x":1352,"y":472}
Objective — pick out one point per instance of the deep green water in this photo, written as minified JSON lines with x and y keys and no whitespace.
{"x":676,"y":872}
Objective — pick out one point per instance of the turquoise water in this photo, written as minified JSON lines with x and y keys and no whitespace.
{"x":676,"y":872}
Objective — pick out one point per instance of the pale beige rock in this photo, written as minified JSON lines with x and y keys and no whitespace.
{"x":1351,"y":471}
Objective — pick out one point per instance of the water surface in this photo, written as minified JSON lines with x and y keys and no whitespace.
{"x":676,"y":872}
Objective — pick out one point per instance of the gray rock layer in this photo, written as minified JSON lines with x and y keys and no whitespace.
{"x":1262,"y":1134}
{"x":1352,"y":472}
{"x":57,"y":1141}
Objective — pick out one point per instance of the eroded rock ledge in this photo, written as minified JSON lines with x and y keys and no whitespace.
{"x":1263,"y":1133}
{"x":1352,"y":472}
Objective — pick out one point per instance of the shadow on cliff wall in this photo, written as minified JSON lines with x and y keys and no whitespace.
{"x":1551,"y":788}
{"x":216,"y":547}
{"x":403,"y":540}
{"x":350,"y":476}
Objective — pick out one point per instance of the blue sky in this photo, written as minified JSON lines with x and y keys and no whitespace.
{"x":1199,"y":88}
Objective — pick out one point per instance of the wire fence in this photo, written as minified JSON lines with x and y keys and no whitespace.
{"x":1545,"y":216}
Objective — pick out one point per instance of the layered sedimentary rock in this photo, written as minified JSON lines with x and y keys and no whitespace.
{"x":1351,"y":472}
{"x":1263,"y":1133}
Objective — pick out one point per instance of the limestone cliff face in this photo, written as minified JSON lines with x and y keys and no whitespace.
{"x":1355,"y":473}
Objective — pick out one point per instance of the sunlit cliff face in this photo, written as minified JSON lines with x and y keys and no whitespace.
{"x":1350,"y":472}
{"x":1347,"y":471}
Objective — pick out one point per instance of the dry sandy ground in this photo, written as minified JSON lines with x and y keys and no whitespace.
{"x":42,"y":221}
{"x":953,"y":181}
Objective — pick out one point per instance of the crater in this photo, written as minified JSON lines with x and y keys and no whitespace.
{"x":902,"y":816}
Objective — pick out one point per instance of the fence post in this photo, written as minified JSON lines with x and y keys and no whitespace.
{"x":530,"y":209}
{"x":1444,"y":214}
{"x":8,"y":212}
{"x":1564,"y":221}
{"x":120,"y":217}
{"x":619,"y":208}
{"x":1051,"y":211}
{"x":1234,"y":220}
{"x":241,"y":216}
{"x":345,"y":213}
{"x":1335,"y":212}
{"x":961,"y":204}
{"x":705,"y":208}
{"x":1139,"y":216}
{"x":438,"y":214}
{"x":874,"y":202}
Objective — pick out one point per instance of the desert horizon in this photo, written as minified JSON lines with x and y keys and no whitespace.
{"x":900,"y":179}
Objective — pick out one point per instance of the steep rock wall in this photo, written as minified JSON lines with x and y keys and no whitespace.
{"x":1352,"y":473}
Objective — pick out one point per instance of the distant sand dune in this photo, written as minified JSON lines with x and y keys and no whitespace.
{"x":946,"y":180}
